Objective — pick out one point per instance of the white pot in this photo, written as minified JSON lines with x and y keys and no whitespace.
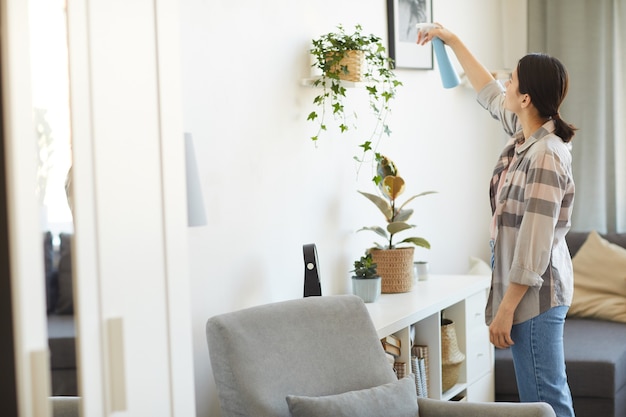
{"x":421,"y":270}
{"x":366,"y":288}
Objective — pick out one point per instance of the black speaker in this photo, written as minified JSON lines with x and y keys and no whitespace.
{"x":312,"y":286}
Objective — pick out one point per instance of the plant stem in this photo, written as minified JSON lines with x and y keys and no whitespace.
{"x":393,"y":216}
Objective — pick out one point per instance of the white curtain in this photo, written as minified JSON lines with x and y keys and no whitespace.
{"x":589,"y":37}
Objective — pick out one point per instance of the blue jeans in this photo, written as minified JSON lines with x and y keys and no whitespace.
{"x":540,"y":363}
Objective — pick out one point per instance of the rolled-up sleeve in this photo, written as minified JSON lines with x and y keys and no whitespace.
{"x":522,"y":276}
{"x":491,"y":98}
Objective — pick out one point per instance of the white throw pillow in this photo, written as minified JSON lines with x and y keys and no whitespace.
{"x":478,"y":267}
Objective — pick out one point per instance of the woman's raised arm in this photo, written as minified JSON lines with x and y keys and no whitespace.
{"x":476,"y":73}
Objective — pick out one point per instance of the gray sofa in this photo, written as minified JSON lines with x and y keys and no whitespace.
{"x":595,"y":356}
{"x":60,"y":309}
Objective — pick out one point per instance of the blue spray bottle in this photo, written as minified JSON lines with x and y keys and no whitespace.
{"x":449,"y":77}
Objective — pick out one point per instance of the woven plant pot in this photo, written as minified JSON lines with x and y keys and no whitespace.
{"x":395,"y":267}
{"x":354,"y":62}
{"x":451,"y":357}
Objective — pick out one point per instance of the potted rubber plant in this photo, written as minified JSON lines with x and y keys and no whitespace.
{"x":394,"y":257}
{"x":344,"y":58}
{"x":366,"y":283}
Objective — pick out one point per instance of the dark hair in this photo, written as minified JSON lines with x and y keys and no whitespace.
{"x":545,"y":79}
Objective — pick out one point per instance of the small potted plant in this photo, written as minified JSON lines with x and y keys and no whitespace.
{"x":366,"y":281}
{"x":395,"y":263}
{"x":353,"y":57}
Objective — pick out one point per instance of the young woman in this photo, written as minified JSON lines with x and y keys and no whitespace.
{"x":532,"y":192}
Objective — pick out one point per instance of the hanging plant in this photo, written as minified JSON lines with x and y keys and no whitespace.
{"x":358,"y":58}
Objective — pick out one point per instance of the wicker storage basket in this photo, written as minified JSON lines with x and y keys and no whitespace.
{"x":400,"y":368}
{"x":354,"y":62}
{"x":395,"y":267}
{"x":451,"y":357}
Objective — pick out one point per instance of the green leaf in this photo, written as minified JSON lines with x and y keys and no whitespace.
{"x":319,"y":100}
{"x":382,"y":204}
{"x":376,"y":229}
{"x":415,"y":196}
{"x":417,"y":241}
{"x":366,"y":146}
{"x":312,"y":116}
{"x":403,"y":215}
{"x":396,"y":227}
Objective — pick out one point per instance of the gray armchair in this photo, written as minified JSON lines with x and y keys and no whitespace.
{"x":320,"y":356}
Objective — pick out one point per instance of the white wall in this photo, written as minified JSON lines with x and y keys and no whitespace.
{"x":268,"y":190}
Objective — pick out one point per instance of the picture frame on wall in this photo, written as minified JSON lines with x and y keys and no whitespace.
{"x":402,"y":16}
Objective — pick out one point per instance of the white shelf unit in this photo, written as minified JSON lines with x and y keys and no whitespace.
{"x":460,"y":298}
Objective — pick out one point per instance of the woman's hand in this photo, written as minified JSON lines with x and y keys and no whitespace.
{"x":425,"y":36}
{"x":500,"y":330}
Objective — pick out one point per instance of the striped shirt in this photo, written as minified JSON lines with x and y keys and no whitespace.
{"x":532,"y":211}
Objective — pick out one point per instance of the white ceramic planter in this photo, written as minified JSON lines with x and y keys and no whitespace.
{"x":366,"y":288}
{"x":421,"y":270}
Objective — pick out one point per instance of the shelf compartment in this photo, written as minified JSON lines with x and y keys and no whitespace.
{"x":459,"y":298}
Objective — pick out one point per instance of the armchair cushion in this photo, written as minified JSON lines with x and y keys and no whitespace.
{"x":434,"y":408}
{"x":397,"y":399}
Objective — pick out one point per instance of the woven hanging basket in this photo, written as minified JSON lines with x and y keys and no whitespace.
{"x":395,"y":267}
{"x":354,"y":62}
{"x":451,"y":357}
